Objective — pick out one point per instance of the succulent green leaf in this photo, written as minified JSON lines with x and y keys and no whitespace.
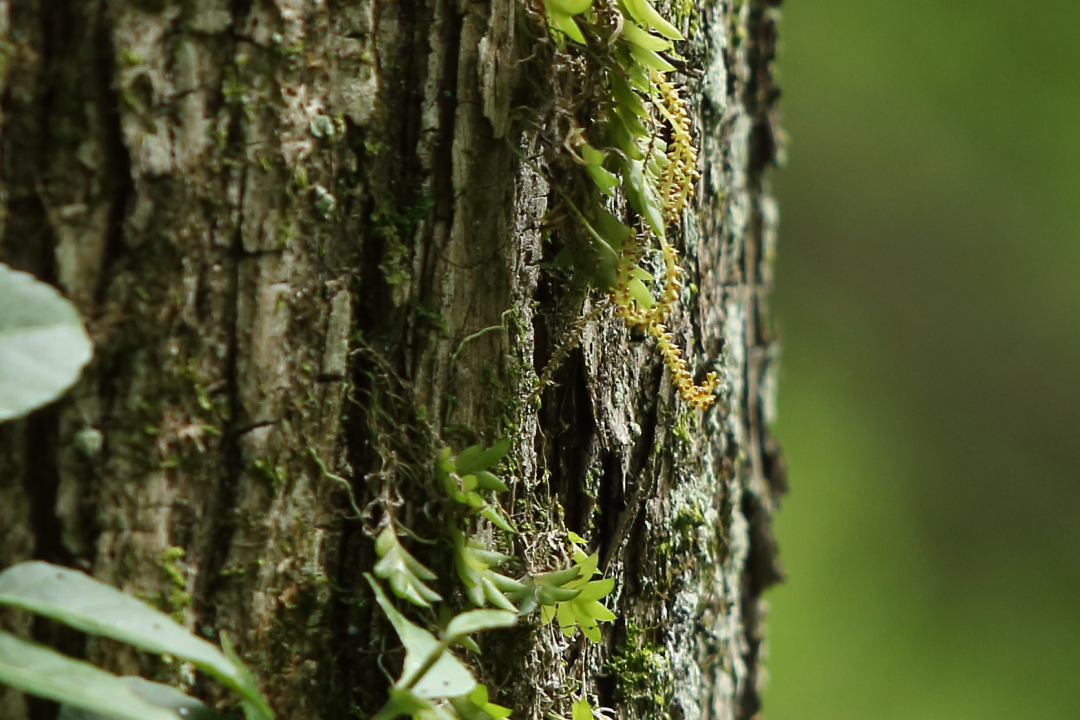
{"x":650,"y":59}
{"x":646,"y":14}
{"x":478,"y":620}
{"x":582,"y":608}
{"x":566,"y":25}
{"x":90,"y":605}
{"x":641,"y":37}
{"x":495,"y":595}
{"x":482,"y":584}
{"x":43,"y":345}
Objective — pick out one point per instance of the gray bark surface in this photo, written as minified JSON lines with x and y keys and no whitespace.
{"x":301,"y":237}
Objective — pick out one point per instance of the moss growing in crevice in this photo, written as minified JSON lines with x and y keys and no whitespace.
{"x":642,"y":673}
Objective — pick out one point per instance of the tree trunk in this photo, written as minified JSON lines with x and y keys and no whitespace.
{"x":310,"y":252}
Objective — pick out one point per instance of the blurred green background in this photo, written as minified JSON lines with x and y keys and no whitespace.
{"x":927,"y":294}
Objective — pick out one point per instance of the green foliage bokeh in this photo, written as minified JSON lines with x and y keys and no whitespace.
{"x":927,"y":297}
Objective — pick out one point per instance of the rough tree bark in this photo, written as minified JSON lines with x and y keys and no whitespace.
{"x":286,"y":223}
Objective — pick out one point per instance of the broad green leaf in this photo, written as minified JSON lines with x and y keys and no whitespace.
{"x":568,"y":621}
{"x":157,"y":694}
{"x":597,"y":589}
{"x":404,"y":572}
{"x":595,"y":610}
{"x":40,"y":671}
{"x":445,"y":675}
{"x":90,"y":605}
{"x":477,"y":620}
{"x":43,"y":345}
{"x":582,"y":710}
{"x":477,"y":457}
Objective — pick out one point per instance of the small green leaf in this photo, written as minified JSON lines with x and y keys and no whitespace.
{"x":494,"y":594}
{"x":591,"y":155}
{"x":494,"y":514}
{"x":43,"y":346}
{"x":40,"y":671}
{"x":628,"y":100}
{"x":477,"y":457}
{"x":555,"y":595}
{"x":90,"y":605}
{"x":478,"y":620}
{"x":603,"y":179}
{"x":404,"y":572}
{"x":646,"y":14}
{"x":650,"y":59}
{"x":445,"y":461}
{"x":640,"y":293}
{"x":642,"y":197}
{"x":640,"y":37}
{"x":566,"y":25}
{"x":489,"y":481}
